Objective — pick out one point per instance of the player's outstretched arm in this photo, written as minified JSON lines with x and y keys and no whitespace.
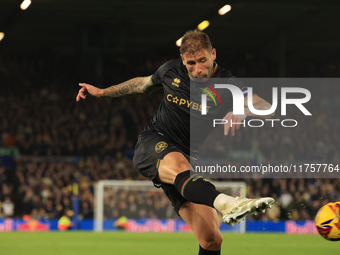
{"x":135,"y":86}
{"x":258,"y":103}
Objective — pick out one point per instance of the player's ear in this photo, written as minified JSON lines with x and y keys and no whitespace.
{"x":182,"y":59}
{"x":213,"y":53}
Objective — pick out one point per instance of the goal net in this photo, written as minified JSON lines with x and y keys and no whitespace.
{"x":138,"y":206}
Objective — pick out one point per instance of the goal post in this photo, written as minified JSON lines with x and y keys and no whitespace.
{"x":126,"y":198}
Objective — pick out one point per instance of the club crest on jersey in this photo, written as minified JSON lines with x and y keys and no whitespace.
{"x":176,"y":82}
{"x":161,"y":146}
{"x":210,"y":94}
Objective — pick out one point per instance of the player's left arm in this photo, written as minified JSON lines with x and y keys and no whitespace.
{"x":258,"y":103}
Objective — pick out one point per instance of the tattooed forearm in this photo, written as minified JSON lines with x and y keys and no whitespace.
{"x":139,"y":85}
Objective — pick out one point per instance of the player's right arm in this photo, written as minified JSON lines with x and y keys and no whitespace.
{"x":135,"y":86}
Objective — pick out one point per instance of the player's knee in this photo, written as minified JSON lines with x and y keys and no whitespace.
{"x":178,"y":163}
{"x":212,"y":243}
{"x":178,"y":160}
{"x":182,"y":166}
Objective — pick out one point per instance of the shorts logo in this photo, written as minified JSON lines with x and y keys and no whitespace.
{"x":161,"y":146}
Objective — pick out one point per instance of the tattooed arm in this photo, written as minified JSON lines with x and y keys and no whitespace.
{"x":135,"y":86}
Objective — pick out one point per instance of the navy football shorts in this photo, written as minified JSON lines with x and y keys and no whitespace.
{"x":150,"y":149}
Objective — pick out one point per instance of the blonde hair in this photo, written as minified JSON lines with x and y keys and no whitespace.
{"x":195,"y":40}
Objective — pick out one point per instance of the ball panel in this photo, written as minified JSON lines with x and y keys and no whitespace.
{"x":327,"y":221}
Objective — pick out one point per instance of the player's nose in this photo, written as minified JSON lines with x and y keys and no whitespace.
{"x":198,"y":69}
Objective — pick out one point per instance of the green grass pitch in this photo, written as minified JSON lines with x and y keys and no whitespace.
{"x":121,"y":243}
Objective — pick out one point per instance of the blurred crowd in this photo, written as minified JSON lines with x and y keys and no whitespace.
{"x":137,"y":204}
{"x":64,"y":145}
{"x":296,"y":199}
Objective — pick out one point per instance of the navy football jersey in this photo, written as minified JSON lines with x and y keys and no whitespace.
{"x":179,"y":115}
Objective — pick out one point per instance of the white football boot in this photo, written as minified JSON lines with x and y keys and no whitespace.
{"x":244,"y":206}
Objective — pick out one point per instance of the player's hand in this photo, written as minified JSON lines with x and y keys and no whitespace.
{"x":233,"y":122}
{"x":87,"y":89}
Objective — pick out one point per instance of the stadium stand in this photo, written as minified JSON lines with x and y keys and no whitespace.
{"x":60,"y":142}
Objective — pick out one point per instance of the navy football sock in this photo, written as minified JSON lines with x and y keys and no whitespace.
{"x":206,"y":252}
{"x":195,"y":188}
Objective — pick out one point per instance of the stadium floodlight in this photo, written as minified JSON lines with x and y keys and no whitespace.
{"x":203,"y":25}
{"x":224,"y":9}
{"x":24,"y":5}
{"x":2,"y":35}
{"x":179,"y":42}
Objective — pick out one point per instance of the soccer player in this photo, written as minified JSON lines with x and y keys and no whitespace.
{"x":163,"y":150}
